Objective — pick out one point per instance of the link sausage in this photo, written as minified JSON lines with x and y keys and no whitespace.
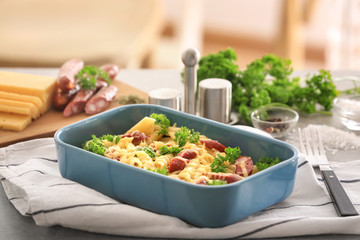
{"x":201,"y":181}
{"x":176,"y":164}
{"x":137,"y":136}
{"x":61,"y":99}
{"x":77,"y":104}
{"x":243,"y":166}
{"x":187,"y":154}
{"x":111,"y":69}
{"x":100,"y":84}
{"x":101,"y":100}
{"x":67,"y":72}
{"x":228,"y":177}
{"x":212,"y":144}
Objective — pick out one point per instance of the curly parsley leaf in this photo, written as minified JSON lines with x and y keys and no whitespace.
{"x":111,"y":138}
{"x":149,"y":151}
{"x":162,"y":121}
{"x":88,"y":76}
{"x":265,"y":162}
{"x":169,"y":150}
{"x":185,"y":135}
{"x":232,"y":154}
{"x":96,"y":144}
{"x":194,"y":137}
{"x":220,"y":65}
{"x":163,"y":171}
{"x":319,"y":89}
{"x":218,"y":164}
{"x":217,"y":182}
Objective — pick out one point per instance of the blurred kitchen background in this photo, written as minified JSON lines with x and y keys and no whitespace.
{"x":153,"y":33}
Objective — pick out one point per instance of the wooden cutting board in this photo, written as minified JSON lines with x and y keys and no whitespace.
{"x":50,"y":122}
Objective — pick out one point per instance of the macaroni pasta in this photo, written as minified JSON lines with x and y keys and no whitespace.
{"x":143,"y":147}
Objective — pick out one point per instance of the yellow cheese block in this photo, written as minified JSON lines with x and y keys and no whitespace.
{"x":15,"y":122}
{"x":25,"y":108}
{"x":146,"y":125}
{"x":29,"y":84}
{"x":25,"y":98}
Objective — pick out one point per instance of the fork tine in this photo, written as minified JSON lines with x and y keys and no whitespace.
{"x":302,"y":147}
{"x":315,"y":141}
{"x":321,"y":156}
{"x":311,"y":145}
{"x":308,"y":143}
{"x":321,"y":146}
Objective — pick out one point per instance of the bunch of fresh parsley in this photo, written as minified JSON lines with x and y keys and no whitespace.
{"x":266,"y":81}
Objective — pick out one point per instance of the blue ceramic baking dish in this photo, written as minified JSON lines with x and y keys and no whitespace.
{"x":202,"y":206}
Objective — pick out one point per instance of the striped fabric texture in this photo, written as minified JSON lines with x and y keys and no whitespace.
{"x":32,"y":182}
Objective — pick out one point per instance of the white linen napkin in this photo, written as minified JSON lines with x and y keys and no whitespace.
{"x":32,"y":182}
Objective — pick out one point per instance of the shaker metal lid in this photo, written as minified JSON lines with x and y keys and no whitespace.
{"x":215,"y":99}
{"x":167,"y":97}
{"x":215,"y":83}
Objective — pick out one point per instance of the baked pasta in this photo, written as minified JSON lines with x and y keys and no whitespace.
{"x":155,"y":145}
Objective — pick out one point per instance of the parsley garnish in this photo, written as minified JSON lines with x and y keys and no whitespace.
{"x":265,"y":162}
{"x":162,"y":121}
{"x":232,"y":154}
{"x":186,"y":135}
{"x":218,"y":164}
{"x":111,"y":138}
{"x":162,"y":171}
{"x":268,"y":80}
{"x":169,"y":150}
{"x":88,"y":76}
{"x":149,"y":151}
{"x":217,"y":182}
{"x":96,"y":145}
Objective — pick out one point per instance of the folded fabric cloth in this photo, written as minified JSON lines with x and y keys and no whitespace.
{"x":32,"y":182}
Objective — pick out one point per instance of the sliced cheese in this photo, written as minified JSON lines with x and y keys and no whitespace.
{"x":15,"y":122}
{"x":29,"y":84}
{"x":25,"y":108}
{"x":25,"y":98}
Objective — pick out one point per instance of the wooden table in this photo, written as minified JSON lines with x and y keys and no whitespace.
{"x":15,"y":226}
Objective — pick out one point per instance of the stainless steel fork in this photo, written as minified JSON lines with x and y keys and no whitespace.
{"x":311,"y":146}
